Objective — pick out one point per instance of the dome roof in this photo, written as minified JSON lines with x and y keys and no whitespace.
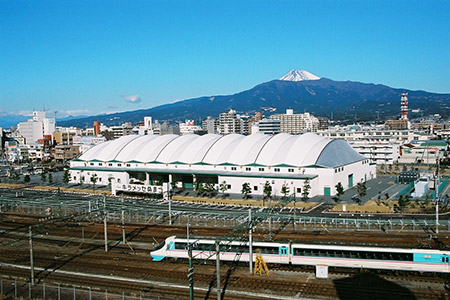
{"x":303,"y":150}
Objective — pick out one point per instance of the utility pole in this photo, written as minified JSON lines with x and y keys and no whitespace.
{"x":295,"y":214}
{"x":218,"y":269}
{"x":105,"y":223}
{"x":187,"y":230}
{"x":170,"y":204}
{"x":190,"y":274}
{"x":250,"y":241}
{"x":437,"y":197}
{"x":123,"y":223}
{"x":31,"y":255}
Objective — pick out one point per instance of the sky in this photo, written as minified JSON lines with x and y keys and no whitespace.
{"x":90,"y":57}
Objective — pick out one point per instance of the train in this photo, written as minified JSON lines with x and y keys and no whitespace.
{"x":361,"y":257}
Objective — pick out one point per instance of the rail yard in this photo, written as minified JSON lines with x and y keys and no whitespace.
{"x":69,"y":252}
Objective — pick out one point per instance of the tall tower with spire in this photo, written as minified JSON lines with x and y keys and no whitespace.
{"x":404,"y":106}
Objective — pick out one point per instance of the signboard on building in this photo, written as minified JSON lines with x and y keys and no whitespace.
{"x":139,"y":188}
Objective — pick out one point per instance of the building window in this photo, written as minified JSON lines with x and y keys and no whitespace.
{"x":233,"y":168}
{"x":91,"y":164}
{"x":291,"y":170}
{"x":110,"y":165}
{"x":261,"y":169}
{"x":128,"y":165}
{"x":335,"y":170}
{"x":255,"y":187}
{"x":277,"y":169}
{"x":229,"y":186}
{"x":248,"y":169}
{"x":100,"y":164}
{"x":118,"y":180}
{"x":119,"y":165}
{"x":299,"y":190}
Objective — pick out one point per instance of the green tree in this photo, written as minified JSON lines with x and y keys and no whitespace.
{"x":200,"y":188}
{"x":223,"y":187}
{"x":209,"y":187}
{"x":50,"y":178}
{"x":43,"y":177}
{"x":339,"y":190}
{"x":379,"y":198}
{"x":401,"y":202}
{"x":267,"y":191}
{"x":285,"y":190}
{"x":246,"y":190}
{"x":159,"y":180}
{"x":66,"y":177}
{"x":362,"y":189}
{"x":306,"y":189}
{"x":94,"y":180}
{"x":26,"y":178}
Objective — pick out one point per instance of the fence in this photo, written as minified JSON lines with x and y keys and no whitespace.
{"x":18,"y":289}
{"x":441,"y":187}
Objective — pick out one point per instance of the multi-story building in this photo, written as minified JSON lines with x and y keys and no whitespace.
{"x":122,"y":130}
{"x":397,"y":124}
{"x":189,"y":127}
{"x":296,"y":123}
{"x":64,"y":135}
{"x":377,"y":152}
{"x":210,"y":125}
{"x":229,"y":123}
{"x":269,"y":126}
{"x":36,"y":127}
{"x":65,"y":153}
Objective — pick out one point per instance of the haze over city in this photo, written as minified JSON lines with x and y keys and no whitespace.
{"x":87,"y":58}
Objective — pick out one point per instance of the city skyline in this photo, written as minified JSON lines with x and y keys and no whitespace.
{"x":87,"y":58}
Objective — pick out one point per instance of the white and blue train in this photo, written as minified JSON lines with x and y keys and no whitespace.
{"x":422,"y":260}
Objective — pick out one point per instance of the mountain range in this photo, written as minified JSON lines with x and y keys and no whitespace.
{"x":298,"y":90}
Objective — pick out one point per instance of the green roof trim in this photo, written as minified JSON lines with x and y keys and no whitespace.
{"x":285,"y":166}
{"x":187,"y":172}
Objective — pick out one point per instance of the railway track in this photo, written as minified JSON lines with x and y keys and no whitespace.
{"x":88,"y":257}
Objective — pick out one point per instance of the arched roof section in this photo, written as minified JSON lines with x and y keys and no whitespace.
{"x":94,"y":152}
{"x":110,"y":151}
{"x":174,"y":150}
{"x":133,"y":149}
{"x":197,"y":149}
{"x":338,"y":153}
{"x":220,"y":152}
{"x":247,"y":150}
{"x":283,"y":149}
{"x":275,"y":150}
{"x":305,"y":149}
{"x":150,"y":151}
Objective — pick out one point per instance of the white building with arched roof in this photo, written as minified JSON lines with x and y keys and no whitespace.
{"x":141,"y":163}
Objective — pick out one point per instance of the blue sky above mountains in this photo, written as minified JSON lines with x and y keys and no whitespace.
{"x":91,"y":57}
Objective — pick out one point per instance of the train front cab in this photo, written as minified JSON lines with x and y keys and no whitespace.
{"x":442,"y":261}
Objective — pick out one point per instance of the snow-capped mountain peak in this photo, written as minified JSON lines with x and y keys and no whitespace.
{"x":299,"y":75}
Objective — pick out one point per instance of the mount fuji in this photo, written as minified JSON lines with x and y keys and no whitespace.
{"x":299,"y":90}
{"x":299,"y":75}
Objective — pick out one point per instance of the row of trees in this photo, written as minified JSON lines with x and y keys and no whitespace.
{"x":267,"y":190}
{"x":360,"y":187}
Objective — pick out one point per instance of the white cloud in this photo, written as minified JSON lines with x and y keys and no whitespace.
{"x":133,"y":98}
{"x":26,"y":113}
{"x":74,"y":112}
